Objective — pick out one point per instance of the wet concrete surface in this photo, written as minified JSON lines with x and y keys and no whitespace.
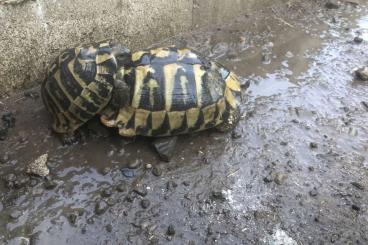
{"x":294,"y":171}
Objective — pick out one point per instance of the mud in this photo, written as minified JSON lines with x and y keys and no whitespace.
{"x":294,"y":171}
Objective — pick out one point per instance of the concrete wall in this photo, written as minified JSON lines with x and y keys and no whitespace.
{"x":33,"y":32}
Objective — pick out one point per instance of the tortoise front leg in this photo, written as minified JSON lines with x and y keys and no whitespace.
{"x":230,"y":123}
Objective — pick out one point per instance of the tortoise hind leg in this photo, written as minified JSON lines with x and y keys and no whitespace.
{"x":230,"y":123}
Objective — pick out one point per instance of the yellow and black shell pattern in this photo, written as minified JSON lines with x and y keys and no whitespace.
{"x":79,"y":83}
{"x":174,"y":91}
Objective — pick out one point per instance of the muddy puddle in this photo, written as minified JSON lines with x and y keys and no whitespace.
{"x":294,"y":171}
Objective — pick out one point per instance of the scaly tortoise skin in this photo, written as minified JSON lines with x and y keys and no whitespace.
{"x":79,"y":84}
{"x":174,"y":91}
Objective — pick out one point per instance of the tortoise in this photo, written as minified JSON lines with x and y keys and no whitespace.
{"x":157,"y":92}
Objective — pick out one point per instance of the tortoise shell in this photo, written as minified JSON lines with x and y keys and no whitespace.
{"x":174,"y":91}
{"x":79,"y":83}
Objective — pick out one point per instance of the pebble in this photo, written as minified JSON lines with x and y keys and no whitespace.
{"x":135,"y":164}
{"x":39,"y":166}
{"x":111,"y":202}
{"x":4,"y":159}
{"x":268,"y":179}
{"x":313,"y":145}
{"x":311,"y":169}
{"x":358,"y":40}
{"x":72,"y":217}
{"x":362,"y":73}
{"x":358,"y":185}
{"x":280,"y":178}
{"x":109,"y":228}
{"x":50,"y":184}
{"x":15,"y":214}
{"x":148,"y":166}
{"x":365,"y":104}
{"x":218,"y":195}
{"x":145,"y":203}
{"x":127,"y":172}
{"x":171,"y":230}
{"x":332,"y":5}
{"x":186,"y":183}
{"x":106,"y":192}
{"x":122,"y":187}
{"x":140,"y":190}
{"x":236,"y":134}
{"x":8,"y":120}
{"x":156,"y":171}
{"x":355,"y":207}
{"x":3,"y":133}
{"x":171,"y":185}
{"x":101,"y":207}
{"x":313,"y":192}
{"x":106,"y":171}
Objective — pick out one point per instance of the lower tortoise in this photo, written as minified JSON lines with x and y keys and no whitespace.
{"x":156,"y":92}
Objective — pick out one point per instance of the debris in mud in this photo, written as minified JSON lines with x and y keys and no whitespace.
{"x":127,"y":172}
{"x":313,"y":145}
{"x":3,"y":133}
{"x":332,"y":4}
{"x":122,"y":187}
{"x":39,"y":166}
{"x":218,"y":195}
{"x":171,"y":230}
{"x":355,"y":207}
{"x":358,"y":40}
{"x":165,"y":147}
{"x":135,"y":164}
{"x":106,"y":192}
{"x":15,"y":214}
{"x":145,"y":203}
{"x":362,"y":74}
{"x":280,"y":178}
{"x":358,"y":185}
{"x":365,"y":104}
{"x":8,"y":120}
{"x":156,"y":171}
{"x":50,"y":184}
{"x":313,"y":192}
{"x":101,"y":207}
{"x":4,"y":159}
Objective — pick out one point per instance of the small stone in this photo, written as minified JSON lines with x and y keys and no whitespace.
{"x":140,"y":190}
{"x":122,"y":187}
{"x":8,"y":120}
{"x":135,"y":164}
{"x":313,"y":192}
{"x":145,"y":203}
{"x":311,"y":168}
{"x":148,"y":166}
{"x":109,"y":228}
{"x":127,"y":172}
{"x":156,"y":171}
{"x":313,"y":145}
{"x":171,"y":230}
{"x":280,"y":178}
{"x":101,"y":207}
{"x":105,"y":171}
{"x":3,"y":133}
{"x":332,"y":5}
{"x":283,"y":143}
{"x":32,"y":95}
{"x":186,"y":183}
{"x":355,"y":207}
{"x":362,"y":74}
{"x":4,"y":159}
{"x":218,"y":195}
{"x":72,"y":217}
{"x":15,"y":214}
{"x":268,"y":179}
{"x":39,"y":166}
{"x":106,"y":192}
{"x":358,"y":40}
{"x":110,"y":201}
{"x":35,"y":239}
{"x":358,"y":185}
{"x":171,"y":185}
{"x":266,"y":58}
{"x":365,"y":104}
{"x":236,"y":134}
{"x":50,"y":184}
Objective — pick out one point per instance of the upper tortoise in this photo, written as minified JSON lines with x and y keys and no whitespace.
{"x":156,"y":92}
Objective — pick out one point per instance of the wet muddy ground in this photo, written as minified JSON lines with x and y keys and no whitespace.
{"x":295,"y":171}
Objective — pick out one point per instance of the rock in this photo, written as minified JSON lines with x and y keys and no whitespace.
{"x":186,"y":183}
{"x":355,"y":207}
{"x":313,"y":192}
{"x":148,"y":166}
{"x":268,"y":179}
{"x":3,"y":133}
{"x":122,"y":187}
{"x":218,"y":195}
{"x":332,"y":5}
{"x":4,"y":158}
{"x":106,"y":192}
{"x":313,"y":145}
{"x":266,"y":58}
{"x":15,"y":214}
{"x":365,"y":104}
{"x":127,"y":172}
{"x":101,"y":207}
{"x":362,"y":74}
{"x":165,"y":147}
{"x":135,"y":164}
{"x":358,"y":185}
{"x":236,"y":134}
{"x":110,"y":201}
{"x":108,"y":228}
{"x":171,"y":230}
{"x":156,"y":171}
{"x":280,"y":178}
{"x":50,"y":184}
{"x":140,"y":190}
{"x":39,"y":166}
{"x":145,"y":203}
{"x":358,"y":40}
{"x":35,"y":239}
{"x":311,"y":168}
{"x":72,"y":217}
{"x":171,"y":185}
{"x":105,"y":171}
{"x":8,"y":120}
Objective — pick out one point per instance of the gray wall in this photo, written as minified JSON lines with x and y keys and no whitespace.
{"x":33,"y":32}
